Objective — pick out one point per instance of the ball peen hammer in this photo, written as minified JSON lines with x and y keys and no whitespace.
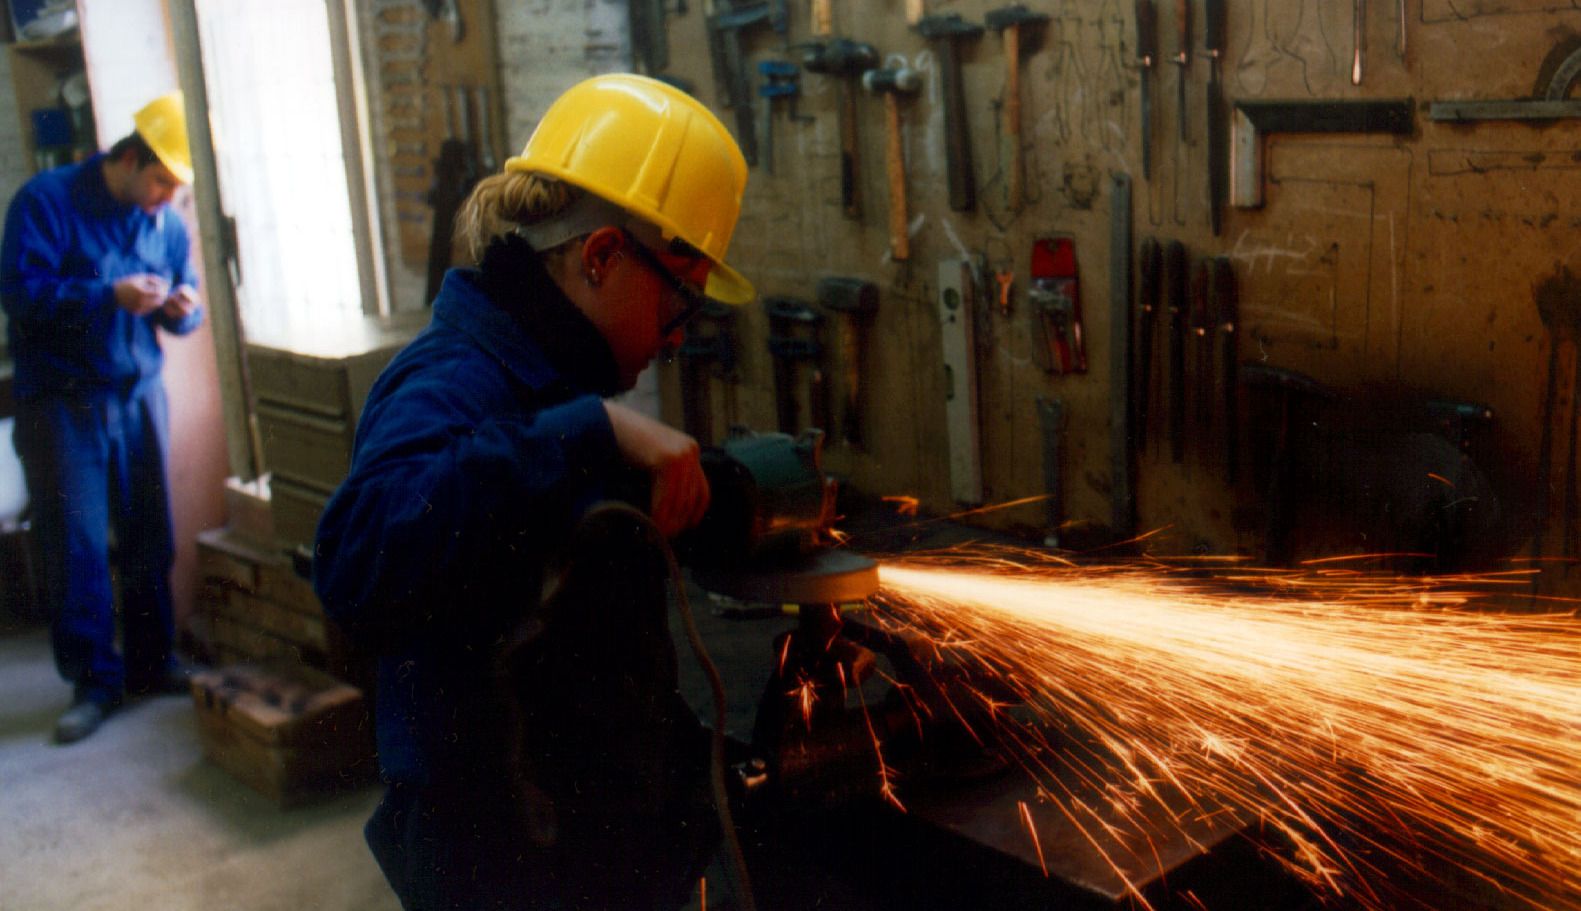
{"x":845,"y":60}
{"x":892,"y":83}
{"x":1009,"y":22}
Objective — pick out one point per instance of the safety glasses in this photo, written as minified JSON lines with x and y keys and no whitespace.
{"x":687,"y":300}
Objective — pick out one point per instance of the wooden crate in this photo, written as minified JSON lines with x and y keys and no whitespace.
{"x":289,"y":732}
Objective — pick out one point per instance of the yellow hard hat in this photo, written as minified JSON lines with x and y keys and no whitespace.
{"x":163,"y":125}
{"x":656,"y":152}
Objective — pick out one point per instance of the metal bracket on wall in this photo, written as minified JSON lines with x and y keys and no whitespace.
{"x":1254,"y":120}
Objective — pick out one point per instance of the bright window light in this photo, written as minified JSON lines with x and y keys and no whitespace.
{"x":277,"y":135}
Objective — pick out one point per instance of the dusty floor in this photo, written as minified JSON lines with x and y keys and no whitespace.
{"x":135,"y":818}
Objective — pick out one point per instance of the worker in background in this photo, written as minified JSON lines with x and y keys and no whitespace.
{"x":92,"y":266}
{"x":537,"y":750}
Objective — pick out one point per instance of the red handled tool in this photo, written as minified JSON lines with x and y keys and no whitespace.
{"x":1055,"y":296}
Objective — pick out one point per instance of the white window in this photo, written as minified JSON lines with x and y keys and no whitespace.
{"x":277,"y":127}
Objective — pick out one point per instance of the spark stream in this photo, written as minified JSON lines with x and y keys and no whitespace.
{"x":1366,"y":725}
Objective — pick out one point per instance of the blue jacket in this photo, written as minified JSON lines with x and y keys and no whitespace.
{"x":67,"y":241}
{"x":474,"y":456}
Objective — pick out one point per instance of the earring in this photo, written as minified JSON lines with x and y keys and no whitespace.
{"x":593,"y":279}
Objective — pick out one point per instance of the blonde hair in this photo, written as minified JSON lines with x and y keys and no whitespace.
{"x":502,"y":201}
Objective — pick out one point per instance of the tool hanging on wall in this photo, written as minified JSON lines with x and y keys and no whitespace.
{"x":1358,"y":41}
{"x":1054,"y":297}
{"x":1182,"y":59}
{"x":455,"y":172}
{"x":1122,"y":395}
{"x":1051,"y":424}
{"x":892,"y":84}
{"x":845,"y":60}
{"x":1558,"y":300}
{"x":732,"y":71}
{"x":945,"y":33}
{"x":794,"y":339}
{"x":1218,"y":151}
{"x":1226,"y":299}
{"x":1147,"y":305}
{"x":856,"y":300}
{"x":820,"y":18}
{"x":1019,"y":29}
{"x":1254,"y":120}
{"x":1204,"y":329}
{"x":779,"y":80}
{"x":1550,"y":102}
{"x":959,"y":281}
{"x":650,"y":34}
{"x":1176,"y":279}
{"x":707,"y":352}
{"x":1146,"y":56}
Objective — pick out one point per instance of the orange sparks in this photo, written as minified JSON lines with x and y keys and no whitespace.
{"x":1032,"y":829}
{"x":904,"y":505}
{"x":1368,"y":723}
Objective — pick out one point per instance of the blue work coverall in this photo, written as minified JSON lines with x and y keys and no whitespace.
{"x":92,"y":418}
{"x":480,"y":448}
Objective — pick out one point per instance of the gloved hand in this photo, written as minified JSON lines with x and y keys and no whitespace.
{"x":141,"y":294}
{"x":671,"y":459}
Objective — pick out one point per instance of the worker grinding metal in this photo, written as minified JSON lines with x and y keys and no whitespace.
{"x":530,"y":728}
{"x":92,"y":265}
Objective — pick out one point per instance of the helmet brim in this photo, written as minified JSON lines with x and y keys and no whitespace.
{"x":728,"y":286}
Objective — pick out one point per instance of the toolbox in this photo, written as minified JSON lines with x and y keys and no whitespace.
{"x":288,"y":731}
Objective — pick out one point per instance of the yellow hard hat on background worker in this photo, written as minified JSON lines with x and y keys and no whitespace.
{"x":656,"y":152}
{"x":162,"y":123}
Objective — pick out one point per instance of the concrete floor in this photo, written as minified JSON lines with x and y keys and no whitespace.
{"x":135,"y":818}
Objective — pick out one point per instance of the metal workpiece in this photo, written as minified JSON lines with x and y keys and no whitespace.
{"x":946,"y":32}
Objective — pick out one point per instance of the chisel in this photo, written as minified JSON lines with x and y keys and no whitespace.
{"x":1150,"y":258}
{"x":1182,"y":59}
{"x":1227,"y":303}
{"x":1175,"y":282}
{"x":1146,"y":53}
{"x":1218,"y":151}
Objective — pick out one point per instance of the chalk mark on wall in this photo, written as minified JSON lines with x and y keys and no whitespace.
{"x":1453,"y":162}
{"x":1439,"y":11}
{"x":1280,"y":37}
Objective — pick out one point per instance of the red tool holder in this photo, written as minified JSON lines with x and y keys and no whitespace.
{"x":1055,"y":296}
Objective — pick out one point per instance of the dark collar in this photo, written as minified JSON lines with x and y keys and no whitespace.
{"x":514,"y":278}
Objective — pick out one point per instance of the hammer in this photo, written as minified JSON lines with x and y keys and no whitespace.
{"x":892,"y":83}
{"x":946,"y":32}
{"x":857,"y":300}
{"x":844,"y":59}
{"x":1008,"y":22}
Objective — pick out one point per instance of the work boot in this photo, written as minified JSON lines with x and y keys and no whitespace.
{"x":172,"y":679}
{"x":82,"y":719}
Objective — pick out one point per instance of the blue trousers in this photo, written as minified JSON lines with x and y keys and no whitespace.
{"x":94,"y":463}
